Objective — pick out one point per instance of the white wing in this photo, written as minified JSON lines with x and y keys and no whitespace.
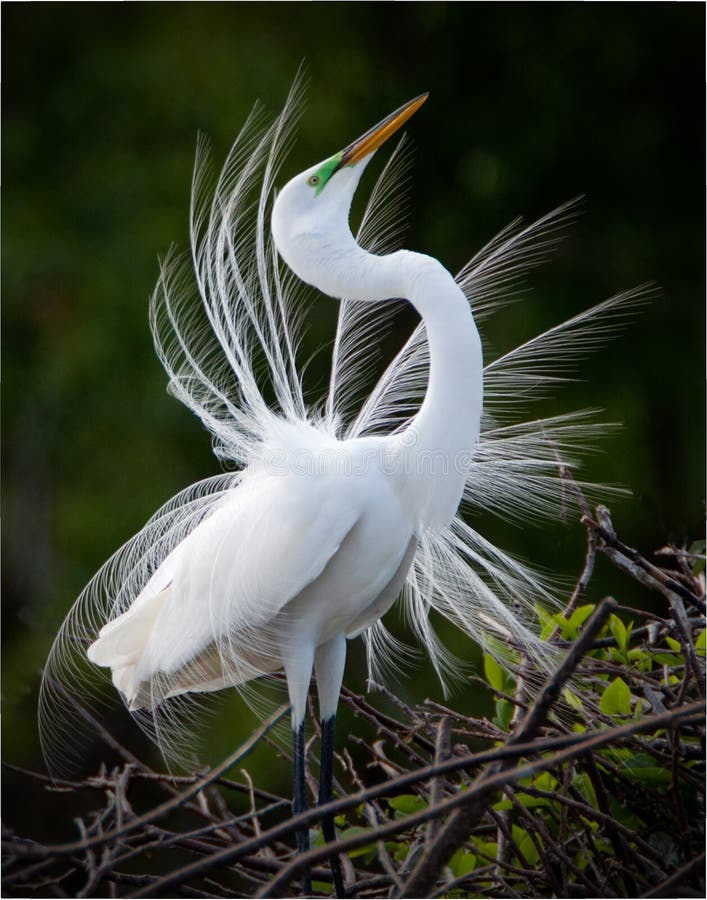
{"x":215,"y":595}
{"x":69,"y":681}
{"x":183,"y":598}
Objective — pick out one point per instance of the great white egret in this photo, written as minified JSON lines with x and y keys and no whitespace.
{"x":335,"y":509}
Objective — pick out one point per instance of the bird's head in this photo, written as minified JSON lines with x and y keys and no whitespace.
{"x":310,"y":219}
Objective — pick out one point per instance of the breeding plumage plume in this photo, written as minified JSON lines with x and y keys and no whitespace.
{"x":331,"y":510}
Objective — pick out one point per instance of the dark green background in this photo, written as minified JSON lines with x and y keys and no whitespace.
{"x":530,"y":105}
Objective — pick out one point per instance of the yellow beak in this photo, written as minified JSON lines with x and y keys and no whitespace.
{"x":372,"y":139}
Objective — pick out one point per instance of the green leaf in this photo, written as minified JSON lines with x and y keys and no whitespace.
{"x":573,"y":700}
{"x":365,"y":850}
{"x":490,"y":848}
{"x":673,"y":644}
{"x":643,"y":768}
{"x":351,"y":831}
{"x":583,"y":784}
{"x":616,"y":699}
{"x":581,"y":859}
{"x":525,"y":844}
{"x":650,"y":774}
{"x":462,"y":863}
{"x":494,"y":673}
{"x":622,"y":754}
{"x":528,"y":801}
{"x":617,"y":655}
{"x":618,"y":632}
{"x":625,"y":816}
{"x":504,"y":714}
{"x":570,"y":627}
{"x":697,"y":548}
{"x":406,"y":804}
{"x":637,"y":653}
{"x":366,"y":854}
{"x":580,"y":615}
{"x":545,"y":782}
{"x":547,"y":622}
{"x":701,"y":642}
{"x":397,"y":850}
{"x":668,"y":659}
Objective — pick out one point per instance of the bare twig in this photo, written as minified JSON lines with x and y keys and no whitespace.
{"x":442,"y":750}
{"x":637,"y":566}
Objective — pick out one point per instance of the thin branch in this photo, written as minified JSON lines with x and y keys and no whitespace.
{"x":587,"y":742}
{"x":163,"y":808}
{"x":636,"y":565}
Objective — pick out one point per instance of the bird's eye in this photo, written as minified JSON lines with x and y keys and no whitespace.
{"x":313,"y":180}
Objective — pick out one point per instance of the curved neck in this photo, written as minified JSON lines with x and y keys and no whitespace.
{"x":449,"y":419}
{"x":441,"y":438}
{"x":439,"y":441}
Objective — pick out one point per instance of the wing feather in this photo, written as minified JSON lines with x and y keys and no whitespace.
{"x":259,"y":548}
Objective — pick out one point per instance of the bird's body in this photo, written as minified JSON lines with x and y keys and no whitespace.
{"x":315,"y":542}
{"x":336,"y":509}
{"x":240,"y":577}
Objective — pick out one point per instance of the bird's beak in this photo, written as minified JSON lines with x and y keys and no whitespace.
{"x":372,"y":139}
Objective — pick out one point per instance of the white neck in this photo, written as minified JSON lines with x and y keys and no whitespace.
{"x":438,"y":443}
{"x":436,"y":448}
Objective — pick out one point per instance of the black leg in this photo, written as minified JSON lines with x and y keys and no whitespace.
{"x":326,"y":777}
{"x":299,"y":802}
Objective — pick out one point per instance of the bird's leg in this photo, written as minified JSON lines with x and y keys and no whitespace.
{"x":329,"y":663}
{"x":298,"y":660}
{"x":299,"y":799}
{"x":326,"y":777}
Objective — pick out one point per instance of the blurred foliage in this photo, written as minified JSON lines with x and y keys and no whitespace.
{"x":530,"y":105}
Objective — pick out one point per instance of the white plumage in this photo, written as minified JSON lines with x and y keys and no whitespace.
{"x":276,"y":564}
{"x":339,"y":506}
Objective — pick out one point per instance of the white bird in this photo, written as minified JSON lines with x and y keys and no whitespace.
{"x":335,"y":510}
